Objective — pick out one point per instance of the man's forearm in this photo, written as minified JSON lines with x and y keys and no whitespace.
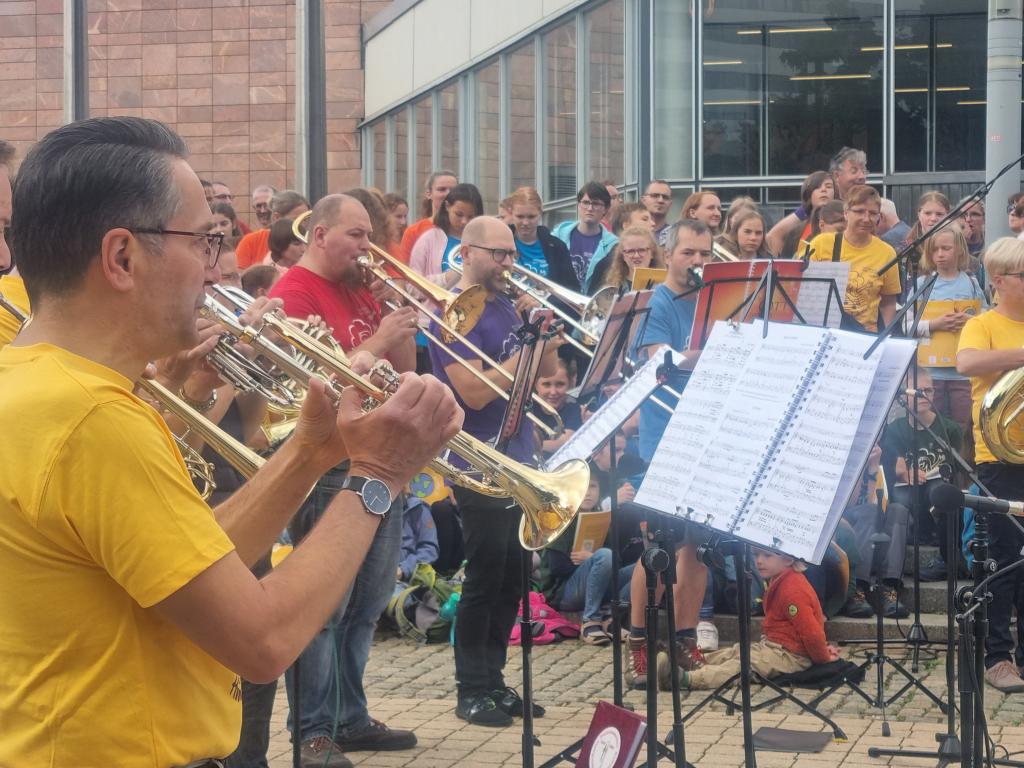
{"x":256,"y":514}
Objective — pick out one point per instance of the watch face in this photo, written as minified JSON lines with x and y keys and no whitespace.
{"x":376,"y":497}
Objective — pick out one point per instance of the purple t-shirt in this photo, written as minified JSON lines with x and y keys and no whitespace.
{"x":581,"y":251}
{"x":494,"y":333}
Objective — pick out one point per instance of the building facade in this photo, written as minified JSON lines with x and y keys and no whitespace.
{"x":739,"y":96}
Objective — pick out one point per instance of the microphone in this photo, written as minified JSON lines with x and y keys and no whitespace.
{"x":946,"y":496}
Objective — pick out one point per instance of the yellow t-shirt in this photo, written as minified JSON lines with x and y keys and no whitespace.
{"x":99,"y":521}
{"x":13,"y":289}
{"x":866,"y":287}
{"x":987,"y":331}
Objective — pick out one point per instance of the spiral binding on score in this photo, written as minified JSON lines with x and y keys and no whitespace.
{"x":807,"y":379}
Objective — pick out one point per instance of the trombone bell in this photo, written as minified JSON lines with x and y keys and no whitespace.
{"x":549,"y":501}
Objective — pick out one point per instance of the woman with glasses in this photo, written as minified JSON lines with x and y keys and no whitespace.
{"x":870,"y":297}
{"x":637,"y":248}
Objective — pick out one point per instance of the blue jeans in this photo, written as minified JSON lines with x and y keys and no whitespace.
{"x":331,"y":696}
{"x":590,"y":585}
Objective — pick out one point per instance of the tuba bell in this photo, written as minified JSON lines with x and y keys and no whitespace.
{"x":1001,"y":407}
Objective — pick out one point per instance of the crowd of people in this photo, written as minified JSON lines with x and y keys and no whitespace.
{"x":162,"y":616}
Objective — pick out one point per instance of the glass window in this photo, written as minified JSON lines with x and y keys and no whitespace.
{"x":606,"y":80}
{"x":488,"y":158}
{"x":449,"y":103}
{"x":522,"y":102}
{"x":672,"y":90}
{"x":560,"y":74}
{"x":380,"y":148}
{"x":401,"y":153}
{"x":940,"y":86}
{"x":424,"y":132}
{"x":785,"y":86}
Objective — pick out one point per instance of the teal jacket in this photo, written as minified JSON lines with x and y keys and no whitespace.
{"x":607,"y":243}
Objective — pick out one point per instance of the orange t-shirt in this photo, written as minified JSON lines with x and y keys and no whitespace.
{"x":412,"y":234}
{"x":252,"y":248}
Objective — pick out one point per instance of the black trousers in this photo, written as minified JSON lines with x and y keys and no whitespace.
{"x":1005,"y":481}
{"x":490,"y":594}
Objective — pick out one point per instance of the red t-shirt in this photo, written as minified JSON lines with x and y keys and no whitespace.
{"x":352,"y":313}
{"x":252,"y":248}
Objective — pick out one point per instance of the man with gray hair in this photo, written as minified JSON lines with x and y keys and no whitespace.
{"x":848,"y":168}
{"x":261,"y":197}
{"x":254,"y":247}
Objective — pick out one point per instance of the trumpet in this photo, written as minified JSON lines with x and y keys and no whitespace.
{"x":549,"y":501}
{"x":456,"y":313}
{"x":721,"y":253}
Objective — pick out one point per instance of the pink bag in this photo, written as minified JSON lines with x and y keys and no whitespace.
{"x":549,"y":626}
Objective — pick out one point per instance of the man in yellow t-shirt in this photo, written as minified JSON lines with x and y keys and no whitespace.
{"x":129,"y":613}
{"x":991,"y":344}
{"x":868,"y":294}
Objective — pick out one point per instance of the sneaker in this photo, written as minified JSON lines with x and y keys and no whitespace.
{"x":892,"y":608}
{"x":511,"y":703}
{"x":375,"y":736}
{"x":482,"y":710}
{"x":857,"y":606}
{"x":934,"y":570}
{"x":636,"y":662}
{"x":321,"y":752}
{"x":688,"y":657}
{"x":593,"y":633}
{"x":707,"y":636}
{"x":1004,"y":676}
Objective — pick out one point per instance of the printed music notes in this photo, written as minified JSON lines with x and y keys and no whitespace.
{"x":762,"y":442}
{"x":813,"y":302}
{"x":613,"y":414}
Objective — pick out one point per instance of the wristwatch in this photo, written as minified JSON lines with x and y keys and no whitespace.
{"x":375,"y":494}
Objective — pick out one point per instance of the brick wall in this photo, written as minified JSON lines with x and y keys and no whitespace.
{"x":221,"y":72}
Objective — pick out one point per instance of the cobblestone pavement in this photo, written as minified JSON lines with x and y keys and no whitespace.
{"x":412,"y":686}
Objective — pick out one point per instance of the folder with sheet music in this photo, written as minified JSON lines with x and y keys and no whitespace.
{"x":771,"y":435}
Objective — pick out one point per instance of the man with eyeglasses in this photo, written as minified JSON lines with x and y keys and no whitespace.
{"x":261,"y":197}
{"x":587,"y":240}
{"x":972,"y":224}
{"x":151,"y":613}
{"x":870,"y":297}
{"x":491,"y":591}
{"x":658,"y":199}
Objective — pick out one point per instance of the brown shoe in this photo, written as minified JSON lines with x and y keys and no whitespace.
{"x":688,"y":657}
{"x":636,"y":662}
{"x":321,"y":751}
{"x":1004,"y":677}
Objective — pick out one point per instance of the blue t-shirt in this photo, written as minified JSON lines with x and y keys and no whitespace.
{"x":963,"y":286}
{"x":494,"y":333}
{"x":531,"y":256}
{"x":581,"y":250}
{"x":451,"y":245}
{"x":669,"y":321}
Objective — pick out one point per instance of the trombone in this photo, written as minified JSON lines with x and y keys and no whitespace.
{"x":549,"y":500}
{"x":458,"y":310}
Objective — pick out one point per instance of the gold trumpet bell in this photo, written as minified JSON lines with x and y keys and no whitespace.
{"x":550,"y":501}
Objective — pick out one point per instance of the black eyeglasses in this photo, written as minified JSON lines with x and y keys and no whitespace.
{"x":498,"y":254}
{"x":213,"y":241}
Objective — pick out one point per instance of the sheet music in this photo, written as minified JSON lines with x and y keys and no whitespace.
{"x":636,"y":301}
{"x":812,"y":300}
{"x":613,"y":413}
{"x":789,"y":510}
{"x":731,"y":409}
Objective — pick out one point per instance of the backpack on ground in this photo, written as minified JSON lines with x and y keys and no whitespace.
{"x":415,"y":608}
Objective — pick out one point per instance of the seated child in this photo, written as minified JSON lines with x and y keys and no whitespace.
{"x":794,"y":629}
{"x":419,"y":537}
{"x":581,"y":580}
